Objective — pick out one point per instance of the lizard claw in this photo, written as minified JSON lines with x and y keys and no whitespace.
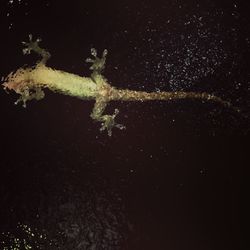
{"x":104,"y":53}
{"x":89,"y":60}
{"x":94,"y":52}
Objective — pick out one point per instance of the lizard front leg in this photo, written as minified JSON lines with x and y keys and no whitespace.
{"x":33,"y":45}
{"x":29,"y":94}
{"x":107,"y":121}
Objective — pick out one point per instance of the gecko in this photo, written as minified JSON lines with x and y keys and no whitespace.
{"x":30,"y":82}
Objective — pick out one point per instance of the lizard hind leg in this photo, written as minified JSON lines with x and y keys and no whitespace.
{"x":107,"y":121}
{"x":98,"y":63}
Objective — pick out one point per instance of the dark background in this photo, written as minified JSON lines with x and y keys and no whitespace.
{"x":171,"y":180}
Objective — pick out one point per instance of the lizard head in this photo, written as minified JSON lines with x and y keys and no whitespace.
{"x":15,"y":81}
{"x":20,"y":82}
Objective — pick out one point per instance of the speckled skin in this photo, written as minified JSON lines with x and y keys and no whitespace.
{"x":30,"y":82}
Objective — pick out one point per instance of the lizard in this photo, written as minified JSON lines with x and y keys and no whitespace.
{"x":29,"y":83}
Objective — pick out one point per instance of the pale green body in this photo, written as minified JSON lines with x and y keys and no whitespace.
{"x":64,"y":82}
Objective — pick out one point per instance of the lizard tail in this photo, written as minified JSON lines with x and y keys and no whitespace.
{"x":130,"y":95}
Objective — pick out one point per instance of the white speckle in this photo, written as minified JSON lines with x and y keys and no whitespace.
{"x":203,"y":171}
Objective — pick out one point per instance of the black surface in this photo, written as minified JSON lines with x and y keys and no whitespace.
{"x":171,"y":180}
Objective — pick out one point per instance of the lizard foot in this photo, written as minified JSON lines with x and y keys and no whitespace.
{"x":34,"y":46}
{"x":31,"y":45}
{"x":29,"y":94}
{"x":109,"y":122}
{"x":98,"y":64}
